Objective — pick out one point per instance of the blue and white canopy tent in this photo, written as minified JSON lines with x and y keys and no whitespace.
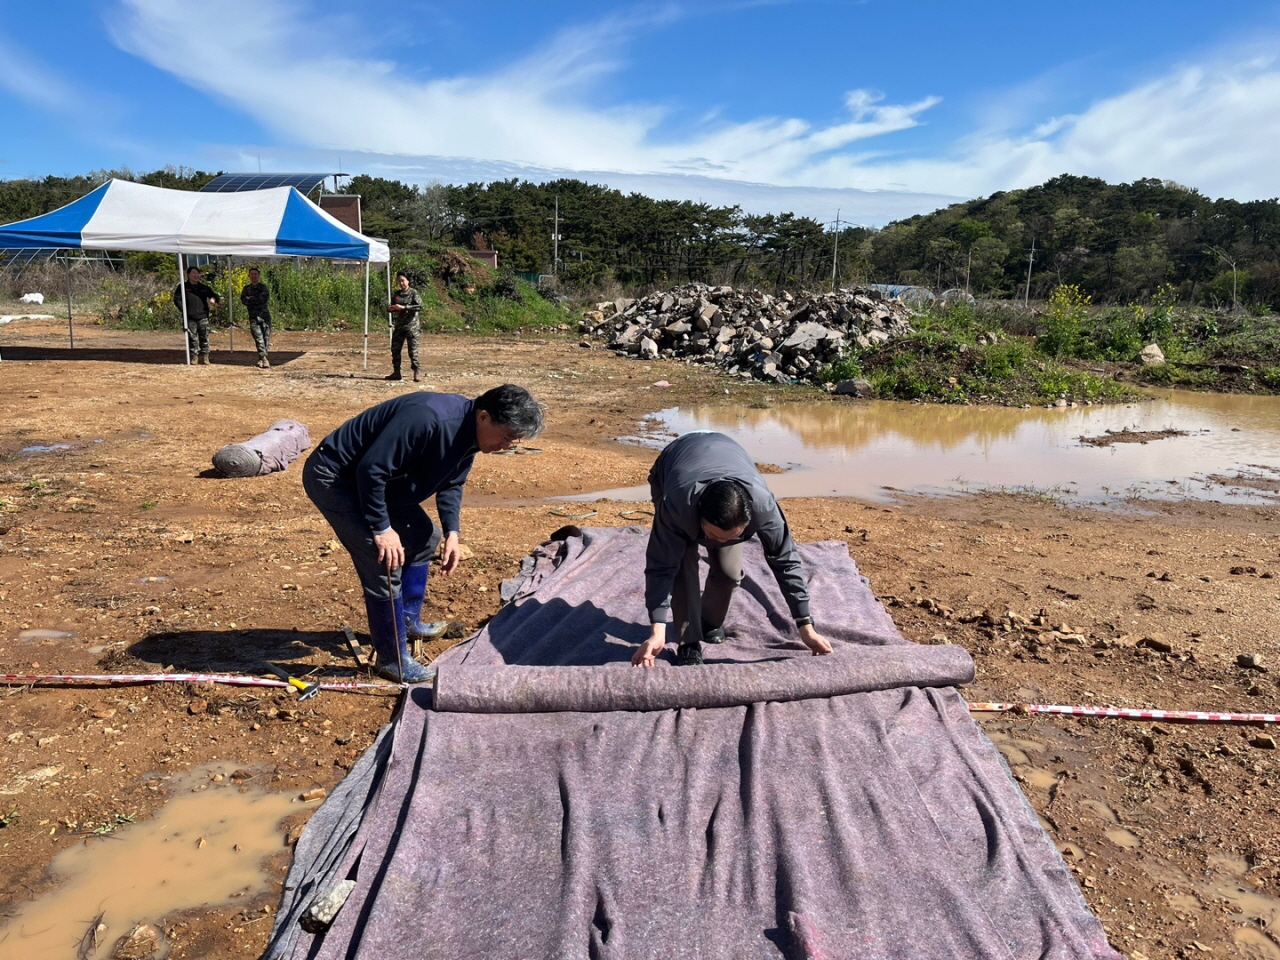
{"x":123,"y":215}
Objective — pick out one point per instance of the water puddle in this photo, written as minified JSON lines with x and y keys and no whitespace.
{"x":40,"y":633}
{"x":1214,"y":447}
{"x":1123,"y":838}
{"x":1103,"y":810}
{"x":1044,"y":779}
{"x":204,"y":847}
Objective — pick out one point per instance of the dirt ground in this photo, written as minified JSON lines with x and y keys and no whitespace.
{"x":123,"y":540}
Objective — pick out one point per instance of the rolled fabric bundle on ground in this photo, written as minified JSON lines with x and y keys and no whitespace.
{"x":266,"y":453}
{"x":460,"y":688}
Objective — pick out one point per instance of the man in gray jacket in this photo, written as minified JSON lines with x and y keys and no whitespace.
{"x":707,"y":493}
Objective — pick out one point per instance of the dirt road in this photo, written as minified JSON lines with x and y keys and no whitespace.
{"x":120,"y":554}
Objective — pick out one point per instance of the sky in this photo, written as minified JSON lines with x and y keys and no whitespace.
{"x":865,"y":110}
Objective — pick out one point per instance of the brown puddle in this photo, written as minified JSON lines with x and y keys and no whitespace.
{"x":875,"y":450}
{"x":205,"y":846}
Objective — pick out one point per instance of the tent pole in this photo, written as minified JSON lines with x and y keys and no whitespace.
{"x":366,"y":314}
{"x":231,"y":307}
{"x":389,"y":333}
{"x":182,"y":299}
{"x":71,"y":325}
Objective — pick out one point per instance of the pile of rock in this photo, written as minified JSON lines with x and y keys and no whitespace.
{"x":746,"y":332}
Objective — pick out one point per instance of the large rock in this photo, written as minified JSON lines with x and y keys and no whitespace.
{"x":855,"y":388}
{"x":805,"y":338}
{"x":648,"y":349}
{"x":1151,"y":354}
{"x":742,"y":331}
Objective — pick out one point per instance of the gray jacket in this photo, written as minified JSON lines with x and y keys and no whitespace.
{"x":679,"y":475}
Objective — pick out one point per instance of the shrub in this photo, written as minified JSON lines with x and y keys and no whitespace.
{"x":1065,"y":317}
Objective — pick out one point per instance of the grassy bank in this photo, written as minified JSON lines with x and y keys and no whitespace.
{"x":458,"y":293}
{"x":1068,"y":350}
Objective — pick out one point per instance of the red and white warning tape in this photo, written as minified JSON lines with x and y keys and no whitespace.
{"x":1119,"y":713}
{"x":1126,"y":713}
{"x":234,"y":679}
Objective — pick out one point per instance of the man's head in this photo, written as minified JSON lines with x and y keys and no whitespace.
{"x":504,"y":415}
{"x":254,"y":275}
{"x":724,"y":510}
{"x":402,"y":281}
{"x":193,"y":274}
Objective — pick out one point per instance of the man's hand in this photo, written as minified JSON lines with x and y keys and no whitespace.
{"x":814,"y":640}
{"x":647,"y":655}
{"x":395,"y":308}
{"x":390,"y":549}
{"x":452,"y":553}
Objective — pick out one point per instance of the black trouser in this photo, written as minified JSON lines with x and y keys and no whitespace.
{"x":691,"y":606}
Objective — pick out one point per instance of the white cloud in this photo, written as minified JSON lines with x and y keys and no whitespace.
{"x":29,"y":80}
{"x":532,"y":112}
{"x":1213,"y":126}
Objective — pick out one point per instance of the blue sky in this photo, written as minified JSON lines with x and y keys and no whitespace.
{"x":879,"y":109}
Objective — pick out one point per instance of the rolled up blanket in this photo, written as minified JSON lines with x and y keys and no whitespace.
{"x":266,"y":453}
{"x":460,"y":688}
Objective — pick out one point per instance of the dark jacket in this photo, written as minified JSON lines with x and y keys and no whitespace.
{"x":682,"y":471}
{"x":411,"y":302}
{"x":403,"y":451}
{"x":255,"y":296}
{"x":198,"y":298}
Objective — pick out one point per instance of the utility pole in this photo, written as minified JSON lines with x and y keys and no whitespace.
{"x":835,"y":252}
{"x":1026,"y":294}
{"x":555,"y":240}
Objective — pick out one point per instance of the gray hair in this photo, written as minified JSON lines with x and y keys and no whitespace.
{"x":513,"y":407}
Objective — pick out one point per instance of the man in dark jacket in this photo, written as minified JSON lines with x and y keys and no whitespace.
{"x":254,"y":297}
{"x":369,"y":478}
{"x":707,"y":493}
{"x":200,"y":300}
{"x":404,"y":309}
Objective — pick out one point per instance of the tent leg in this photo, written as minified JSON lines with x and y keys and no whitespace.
{"x":231,"y":308}
{"x":71,"y":324}
{"x":182,"y":299}
{"x":366,"y":315}
{"x":389,"y":332}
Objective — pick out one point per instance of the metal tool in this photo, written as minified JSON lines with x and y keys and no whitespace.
{"x":305,"y":690}
{"x":354,"y":646}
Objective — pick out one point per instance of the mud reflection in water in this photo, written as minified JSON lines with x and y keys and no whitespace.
{"x":1230,"y":450}
{"x":204,"y":847}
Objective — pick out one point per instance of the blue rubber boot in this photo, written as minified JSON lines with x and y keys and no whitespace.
{"x":413,"y":587}
{"x":395,"y":662}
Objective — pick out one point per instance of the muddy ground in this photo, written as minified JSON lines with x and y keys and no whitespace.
{"x":125,"y":542}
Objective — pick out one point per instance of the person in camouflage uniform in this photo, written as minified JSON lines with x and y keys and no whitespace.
{"x":404,"y":309}
{"x":200,"y":300}
{"x":255,"y":296}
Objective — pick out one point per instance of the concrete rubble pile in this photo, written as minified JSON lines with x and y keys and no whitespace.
{"x":752,"y":334}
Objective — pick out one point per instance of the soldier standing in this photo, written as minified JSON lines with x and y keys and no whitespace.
{"x":404,"y":309}
{"x":255,"y":296}
{"x":200,"y":300}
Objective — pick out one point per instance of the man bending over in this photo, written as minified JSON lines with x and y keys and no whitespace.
{"x":707,"y":493}
{"x":369,"y":478}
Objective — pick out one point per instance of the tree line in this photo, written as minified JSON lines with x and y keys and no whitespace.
{"x":1115,"y":242}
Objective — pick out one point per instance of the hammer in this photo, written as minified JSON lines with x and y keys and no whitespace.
{"x":305,"y":690}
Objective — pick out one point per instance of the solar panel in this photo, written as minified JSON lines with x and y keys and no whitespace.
{"x":238,"y":182}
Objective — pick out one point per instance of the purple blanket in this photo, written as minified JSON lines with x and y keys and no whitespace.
{"x":880,"y":824}
{"x":266,"y":453}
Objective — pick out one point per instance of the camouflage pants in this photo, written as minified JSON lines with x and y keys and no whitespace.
{"x":401,"y":332}
{"x":260,"y":327}
{"x":198,"y":335}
